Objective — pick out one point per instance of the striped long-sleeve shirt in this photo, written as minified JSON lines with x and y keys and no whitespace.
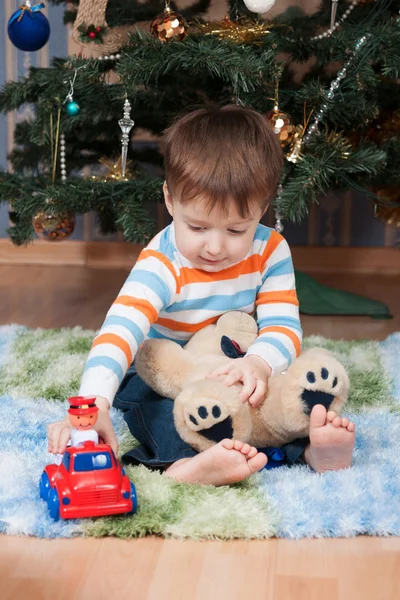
{"x":165,"y":297}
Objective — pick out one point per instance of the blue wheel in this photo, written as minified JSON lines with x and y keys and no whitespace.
{"x":134,"y":500}
{"x":44,"y":486}
{"x":54,"y":504}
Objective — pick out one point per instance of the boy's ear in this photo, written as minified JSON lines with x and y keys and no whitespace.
{"x":167,"y":199}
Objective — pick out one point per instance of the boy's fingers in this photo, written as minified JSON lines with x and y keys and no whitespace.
{"x":219,"y":371}
{"x":64,"y":438}
{"x":249,"y":386}
{"x":258,"y":396}
{"x":234,"y":376}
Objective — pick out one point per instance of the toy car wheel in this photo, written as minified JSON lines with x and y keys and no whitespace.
{"x":44,"y":486}
{"x":134,"y":500}
{"x":54,"y":504}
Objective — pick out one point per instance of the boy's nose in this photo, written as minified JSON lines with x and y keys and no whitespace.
{"x":214,"y":246}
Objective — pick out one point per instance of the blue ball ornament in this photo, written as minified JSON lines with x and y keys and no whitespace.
{"x":28,"y":28}
{"x":72,"y":108}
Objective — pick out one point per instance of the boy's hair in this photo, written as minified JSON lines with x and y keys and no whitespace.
{"x":223,"y":154}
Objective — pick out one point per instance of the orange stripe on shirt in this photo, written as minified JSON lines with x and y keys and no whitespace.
{"x":148,"y":252}
{"x":115,"y":340}
{"x":188,"y":275}
{"x":273,"y":242}
{"x":143,"y":305}
{"x":295,"y":339}
{"x":190,"y":327}
{"x":288,"y":296}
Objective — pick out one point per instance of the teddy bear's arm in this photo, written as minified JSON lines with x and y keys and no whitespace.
{"x":164,"y":365}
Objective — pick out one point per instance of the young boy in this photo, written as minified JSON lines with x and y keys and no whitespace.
{"x":222,"y":170}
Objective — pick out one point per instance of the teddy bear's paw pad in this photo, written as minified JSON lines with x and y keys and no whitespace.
{"x":210,"y":419}
{"x":321,"y":387}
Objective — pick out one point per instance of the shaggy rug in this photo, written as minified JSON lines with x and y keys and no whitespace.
{"x":39,"y":369}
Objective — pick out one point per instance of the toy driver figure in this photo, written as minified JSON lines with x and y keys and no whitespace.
{"x":83,"y":414}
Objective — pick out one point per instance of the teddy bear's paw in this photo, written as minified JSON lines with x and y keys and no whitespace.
{"x":321,"y":386}
{"x":210,"y":418}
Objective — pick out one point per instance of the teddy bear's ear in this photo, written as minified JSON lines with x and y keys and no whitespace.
{"x":163,"y":365}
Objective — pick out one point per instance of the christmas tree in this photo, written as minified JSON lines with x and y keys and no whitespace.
{"x":338,"y":125}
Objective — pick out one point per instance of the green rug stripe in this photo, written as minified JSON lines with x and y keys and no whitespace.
{"x":48,"y":363}
{"x":172,"y":509}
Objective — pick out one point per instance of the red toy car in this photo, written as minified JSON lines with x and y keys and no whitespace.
{"x":89,"y":482}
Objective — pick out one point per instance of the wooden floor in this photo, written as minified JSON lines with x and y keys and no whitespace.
{"x":341,"y":569}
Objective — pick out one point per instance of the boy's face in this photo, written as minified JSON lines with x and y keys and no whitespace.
{"x":211,"y":241}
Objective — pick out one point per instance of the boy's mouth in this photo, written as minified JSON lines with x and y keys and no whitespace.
{"x":213,"y":261}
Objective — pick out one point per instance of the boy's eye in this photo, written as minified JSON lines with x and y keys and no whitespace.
{"x":194,"y":228}
{"x":237,"y":231}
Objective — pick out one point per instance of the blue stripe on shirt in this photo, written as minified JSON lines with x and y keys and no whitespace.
{"x":153,"y":281}
{"x":128,"y":324}
{"x":283,"y":267}
{"x":156,"y":335}
{"x":218,"y":302}
{"x":166,"y":246}
{"x":108,"y":363}
{"x":264,"y":339}
{"x":262,"y":232}
{"x":279,"y":321}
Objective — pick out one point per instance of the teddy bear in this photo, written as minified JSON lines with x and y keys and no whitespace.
{"x":206,"y":411}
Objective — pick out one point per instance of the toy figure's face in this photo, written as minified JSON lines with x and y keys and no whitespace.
{"x":83,"y":422}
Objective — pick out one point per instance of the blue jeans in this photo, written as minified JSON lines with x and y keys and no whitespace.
{"x":150,"y":420}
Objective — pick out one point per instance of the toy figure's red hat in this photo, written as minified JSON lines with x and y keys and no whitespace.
{"x":82,"y":405}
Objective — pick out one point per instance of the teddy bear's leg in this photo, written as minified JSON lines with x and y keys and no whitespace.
{"x":324,"y":382}
{"x":315,"y":377}
{"x":207,"y":412}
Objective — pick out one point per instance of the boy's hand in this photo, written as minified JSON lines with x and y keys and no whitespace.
{"x":59,"y":434}
{"x":253,"y":372}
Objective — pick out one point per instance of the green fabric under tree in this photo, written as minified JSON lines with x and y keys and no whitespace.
{"x":318,"y":299}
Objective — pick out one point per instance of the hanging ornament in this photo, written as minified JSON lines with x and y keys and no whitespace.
{"x":52,"y":225}
{"x":114,"y":173}
{"x":259,"y":6}
{"x":91,"y":33}
{"x":295,"y":154}
{"x":282,"y":125}
{"x":333,"y":12}
{"x":169,"y":25}
{"x":280,"y":122}
{"x":389,"y":210}
{"x":240,"y":31}
{"x":278,"y":217}
{"x":335,"y":85}
{"x":72,"y":107}
{"x":126,"y":124}
{"x":28,"y":28}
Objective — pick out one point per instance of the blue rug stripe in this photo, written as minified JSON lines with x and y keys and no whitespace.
{"x":390,"y":357}
{"x":23,"y":455}
{"x":362,"y":500}
{"x":8,"y":333}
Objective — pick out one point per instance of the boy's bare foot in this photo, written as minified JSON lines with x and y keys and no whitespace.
{"x":227,"y":462}
{"x":331,"y":441}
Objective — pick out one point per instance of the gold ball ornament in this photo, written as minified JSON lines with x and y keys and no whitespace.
{"x":169,"y":25}
{"x":282,"y":126}
{"x":52,"y":226}
{"x":390,"y":212}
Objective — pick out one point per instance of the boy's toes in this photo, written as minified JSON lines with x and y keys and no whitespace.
{"x":252,"y":452}
{"x":345,"y":422}
{"x":238,"y":445}
{"x":337,"y":422}
{"x":330,"y":416}
{"x":245,"y":449}
{"x":228,"y":443}
{"x":351,"y":426}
